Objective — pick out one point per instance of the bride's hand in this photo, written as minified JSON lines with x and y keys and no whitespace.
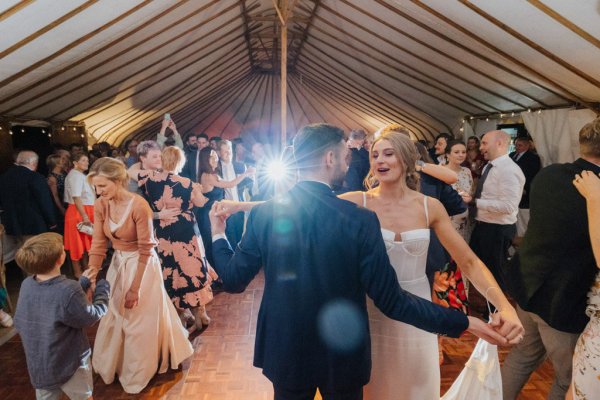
{"x":132,"y":298}
{"x":507,"y":324}
{"x":485,"y":331}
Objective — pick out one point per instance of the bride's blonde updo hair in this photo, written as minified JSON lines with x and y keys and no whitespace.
{"x":404,"y":149}
{"x":110,"y":168}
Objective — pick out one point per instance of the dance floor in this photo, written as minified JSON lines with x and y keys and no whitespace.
{"x":221,"y":368}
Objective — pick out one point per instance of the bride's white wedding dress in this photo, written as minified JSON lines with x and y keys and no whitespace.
{"x":405,"y":359}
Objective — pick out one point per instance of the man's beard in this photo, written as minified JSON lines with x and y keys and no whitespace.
{"x":193,"y":146}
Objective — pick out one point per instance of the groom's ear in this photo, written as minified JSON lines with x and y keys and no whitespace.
{"x":329,"y":158}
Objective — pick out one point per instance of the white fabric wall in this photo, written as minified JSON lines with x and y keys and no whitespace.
{"x":555,"y":133}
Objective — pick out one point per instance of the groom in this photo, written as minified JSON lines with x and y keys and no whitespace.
{"x":322,"y":256}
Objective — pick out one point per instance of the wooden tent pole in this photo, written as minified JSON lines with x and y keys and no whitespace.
{"x":284,"y":14}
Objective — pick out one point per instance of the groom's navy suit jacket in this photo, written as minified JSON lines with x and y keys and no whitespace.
{"x":322,"y":256}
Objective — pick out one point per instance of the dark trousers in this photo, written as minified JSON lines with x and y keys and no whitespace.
{"x":490,"y":242}
{"x":309,"y":394}
{"x":235,"y":228}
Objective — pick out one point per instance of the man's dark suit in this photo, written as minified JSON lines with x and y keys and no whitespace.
{"x":321,"y":256}
{"x":530,"y":164}
{"x":26,"y":201}
{"x":437,"y":256}
{"x":190,"y":169}
{"x":555,"y":267}
{"x":358,"y":169}
{"x":235,"y":223}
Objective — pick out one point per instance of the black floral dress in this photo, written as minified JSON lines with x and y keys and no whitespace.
{"x":187,"y":275}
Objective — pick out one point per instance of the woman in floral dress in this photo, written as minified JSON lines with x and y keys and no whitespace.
{"x":186,"y":273}
{"x":586,"y":361}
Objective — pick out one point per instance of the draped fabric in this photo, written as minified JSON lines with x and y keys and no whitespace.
{"x":555,"y":133}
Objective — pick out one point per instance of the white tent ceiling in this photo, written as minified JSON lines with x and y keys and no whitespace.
{"x":117,"y":66}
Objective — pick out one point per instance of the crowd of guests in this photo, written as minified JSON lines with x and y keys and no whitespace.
{"x":167,"y":210}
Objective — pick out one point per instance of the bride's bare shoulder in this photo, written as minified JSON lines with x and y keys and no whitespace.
{"x":354,"y":197}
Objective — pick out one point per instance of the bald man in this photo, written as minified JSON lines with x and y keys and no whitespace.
{"x":496,"y":202}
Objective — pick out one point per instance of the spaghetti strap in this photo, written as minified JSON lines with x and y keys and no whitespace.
{"x":426,"y":210}
{"x":364,"y":199}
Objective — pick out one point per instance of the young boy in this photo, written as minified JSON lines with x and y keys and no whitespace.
{"x":51,"y":314}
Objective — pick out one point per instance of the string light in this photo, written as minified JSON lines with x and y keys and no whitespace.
{"x":62,"y":128}
{"x":10,"y":132}
{"x":22,"y":130}
{"x":43,"y":131}
{"x":501,"y":115}
{"x":540,"y":111}
{"x":463,"y":121}
{"x":529,"y":110}
{"x":49,"y":135}
{"x":472,"y":118}
{"x":0,"y":128}
{"x":512,"y":114}
{"x":487,"y":119}
{"x":462,"y":129}
{"x":82,"y":135}
{"x":74,"y":129}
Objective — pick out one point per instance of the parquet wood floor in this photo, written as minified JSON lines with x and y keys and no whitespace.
{"x":221,"y":368}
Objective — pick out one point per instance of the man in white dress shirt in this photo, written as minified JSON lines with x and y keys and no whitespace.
{"x":229,"y":170}
{"x":496,"y":200}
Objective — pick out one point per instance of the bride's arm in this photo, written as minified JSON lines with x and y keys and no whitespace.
{"x":473,"y":268}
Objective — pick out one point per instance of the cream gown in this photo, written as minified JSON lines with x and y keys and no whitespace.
{"x":405,"y":358}
{"x":136,"y":343}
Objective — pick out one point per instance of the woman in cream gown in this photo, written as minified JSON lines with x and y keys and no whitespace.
{"x":141,"y":333}
{"x":404,"y":358}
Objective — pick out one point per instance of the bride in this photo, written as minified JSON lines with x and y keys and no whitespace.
{"x":405,"y":359}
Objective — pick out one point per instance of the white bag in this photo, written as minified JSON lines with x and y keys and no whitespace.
{"x":480,"y":379}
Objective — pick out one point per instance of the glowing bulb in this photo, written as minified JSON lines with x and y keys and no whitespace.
{"x":10,"y":132}
{"x":43,"y":131}
{"x":501,"y":115}
{"x":512,"y":114}
{"x":49,"y":135}
{"x":487,"y":119}
{"x":529,"y":110}
{"x":22,"y":130}
{"x":82,"y":135}
{"x":462,"y":129}
{"x":539,"y":111}
{"x":62,"y":128}
{"x":472,"y":118}
{"x":74,"y":129}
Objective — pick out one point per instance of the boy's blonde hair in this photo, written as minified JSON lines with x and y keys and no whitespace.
{"x":40,"y":253}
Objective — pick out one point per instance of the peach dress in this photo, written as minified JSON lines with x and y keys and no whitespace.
{"x":134,"y":343}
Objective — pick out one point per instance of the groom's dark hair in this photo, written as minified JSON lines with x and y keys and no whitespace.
{"x":314,"y":140}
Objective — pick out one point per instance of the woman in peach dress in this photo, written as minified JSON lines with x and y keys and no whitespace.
{"x":141,"y":333}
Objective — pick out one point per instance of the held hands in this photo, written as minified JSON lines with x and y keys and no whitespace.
{"x":485,"y":331}
{"x":507,"y":324}
{"x":250,"y":171}
{"x":217,"y":222}
{"x":588,"y":184}
{"x":132,"y":298}
{"x":225,"y":208}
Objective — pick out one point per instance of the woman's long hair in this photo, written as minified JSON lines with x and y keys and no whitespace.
{"x":204,"y":161}
{"x":405,"y":152}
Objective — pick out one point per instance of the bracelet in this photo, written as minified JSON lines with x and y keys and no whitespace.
{"x":488,"y":289}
